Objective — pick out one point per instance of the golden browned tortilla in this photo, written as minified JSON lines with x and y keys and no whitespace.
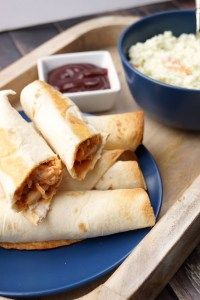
{"x":78,"y":143}
{"x":77,"y":216}
{"x":30,"y":171}
{"x":38,"y":245}
{"x":125,"y":131}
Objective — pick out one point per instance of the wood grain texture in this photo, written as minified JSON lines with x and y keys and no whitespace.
{"x":153,"y":8}
{"x":184,"y":3}
{"x":25,"y":68}
{"x":186,"y":282}
{"x":152,"y":263}
{"x":63,"y":25}
{"x":167,"y":294}
{"x":8,"y":50}
{"x":28,"y":39}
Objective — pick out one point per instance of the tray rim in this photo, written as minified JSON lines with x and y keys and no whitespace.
{"x":9,"y":74}
{"x":29,"y":61}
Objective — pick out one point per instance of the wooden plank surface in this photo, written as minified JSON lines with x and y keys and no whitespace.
{"x":153,"y":8}
{"x":8,"y":50}
{"x":16,"y":43}
{"x":178,"y":227}
{"x":184,"y":3}
{"x":167,"y":294}
{"x":30,"y":38}
{"x":185,"y":284}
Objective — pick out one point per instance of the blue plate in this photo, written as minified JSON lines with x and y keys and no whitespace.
{"x":36,"y":273}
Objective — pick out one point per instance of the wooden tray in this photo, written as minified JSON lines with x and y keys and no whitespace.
{"x":177,"y":153}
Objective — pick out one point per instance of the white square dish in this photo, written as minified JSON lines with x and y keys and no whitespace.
{"x":88,"y":101}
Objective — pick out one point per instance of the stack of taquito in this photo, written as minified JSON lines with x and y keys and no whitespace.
{"x":99,"y":187}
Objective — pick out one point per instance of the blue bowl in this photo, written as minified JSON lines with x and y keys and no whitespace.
{"x":175,"y":106}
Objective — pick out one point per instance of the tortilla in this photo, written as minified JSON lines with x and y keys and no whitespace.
{"x":112,"y":171}
{"x":38,"y":245}
{"x":108,"y":158}
{"x":125,"y":131}
{"x":30,"y":172}
{"x":79,"y":215}
{"x":61,"y":123}
{"x":122,"y":175}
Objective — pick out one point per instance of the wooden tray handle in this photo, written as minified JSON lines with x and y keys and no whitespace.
{"x":154,"y":261}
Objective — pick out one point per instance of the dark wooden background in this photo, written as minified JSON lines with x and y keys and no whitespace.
{"x":185,"y":285}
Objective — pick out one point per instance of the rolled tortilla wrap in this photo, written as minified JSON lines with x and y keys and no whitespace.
{"x":38,"y":245}
{"x":109,"y":173}
{"x":29,"y":170}
{"x":80,"y":215}
{"x":122,"y":175}
{"x":61,"y":123}
{"x":125,"y":131}
{"x":108,"y":158}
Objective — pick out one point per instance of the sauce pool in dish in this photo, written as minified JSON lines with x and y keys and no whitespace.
{"x":79,"y":77}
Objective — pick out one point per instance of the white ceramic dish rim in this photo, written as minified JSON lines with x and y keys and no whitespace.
{"x":115,"y":88}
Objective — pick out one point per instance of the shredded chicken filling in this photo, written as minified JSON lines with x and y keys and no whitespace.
{"x":40,"y":185}
{"x":86,"y":152}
